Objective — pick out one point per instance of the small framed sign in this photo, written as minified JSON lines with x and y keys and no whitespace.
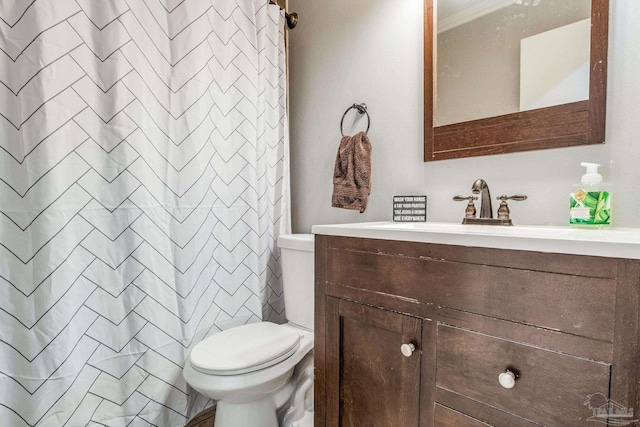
{"x":409,"y":208}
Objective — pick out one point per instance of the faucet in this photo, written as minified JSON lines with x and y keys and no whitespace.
{"x":478,"y":187}
{"x":486,"y":210}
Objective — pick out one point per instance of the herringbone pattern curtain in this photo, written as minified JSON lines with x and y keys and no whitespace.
{"x":142,"y":168}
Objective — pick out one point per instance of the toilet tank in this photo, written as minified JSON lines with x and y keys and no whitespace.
{"x":297,"y":277}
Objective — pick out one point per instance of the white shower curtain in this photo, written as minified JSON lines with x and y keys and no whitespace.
{"x":143,"y":156}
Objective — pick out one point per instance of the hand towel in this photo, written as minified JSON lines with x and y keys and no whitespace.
{"x":352,"y":173}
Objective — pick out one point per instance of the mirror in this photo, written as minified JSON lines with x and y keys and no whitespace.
{"x":499,"y":57}
{"x":503,"y":76}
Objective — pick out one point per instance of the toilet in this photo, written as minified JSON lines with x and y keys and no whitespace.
{"x":261,"y":373}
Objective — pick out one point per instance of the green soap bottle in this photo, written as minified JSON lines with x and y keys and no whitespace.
{"x":590,"y":200}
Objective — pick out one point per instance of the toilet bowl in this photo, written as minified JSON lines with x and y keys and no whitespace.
{"x":249,"y":390}
{"x":248,"y":369}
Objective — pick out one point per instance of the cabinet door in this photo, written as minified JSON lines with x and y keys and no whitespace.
{"x":370,"y":382}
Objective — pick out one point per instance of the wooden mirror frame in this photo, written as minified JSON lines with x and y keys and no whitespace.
{"x":577,"y":123}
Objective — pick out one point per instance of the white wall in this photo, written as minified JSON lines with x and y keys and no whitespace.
{"x":371,"y":51}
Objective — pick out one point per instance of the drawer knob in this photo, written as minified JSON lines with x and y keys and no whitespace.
{"x":407,"y":349}
{"x":507,"y":379}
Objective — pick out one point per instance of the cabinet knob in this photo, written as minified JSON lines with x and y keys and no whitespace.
{"x":507,"y":379}
{"x":407,"y":349}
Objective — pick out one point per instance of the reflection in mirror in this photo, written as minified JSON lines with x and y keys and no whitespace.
{"x":497,"y":57}
{"x":524,"y":107}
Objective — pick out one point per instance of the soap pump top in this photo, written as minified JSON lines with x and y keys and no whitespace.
{"x":592,"y":176}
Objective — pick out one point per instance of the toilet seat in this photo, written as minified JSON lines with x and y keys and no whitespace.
{"x":245,"y":349}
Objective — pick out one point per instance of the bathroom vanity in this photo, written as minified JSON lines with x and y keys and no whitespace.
{"x":452,"y":325}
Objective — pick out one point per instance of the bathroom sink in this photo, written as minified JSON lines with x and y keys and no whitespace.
{"x":614,"y":242}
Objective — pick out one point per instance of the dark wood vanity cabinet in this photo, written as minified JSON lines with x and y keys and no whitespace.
{"x":565,"y":326}
{"x":364,"y":342}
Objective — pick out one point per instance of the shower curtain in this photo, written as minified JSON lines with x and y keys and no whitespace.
{"x":143,"y":169}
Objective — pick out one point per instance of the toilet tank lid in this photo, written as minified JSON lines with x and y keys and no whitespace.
{"x":300,"y":242}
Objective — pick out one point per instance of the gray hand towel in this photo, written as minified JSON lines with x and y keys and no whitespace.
{"x":352,"y":173}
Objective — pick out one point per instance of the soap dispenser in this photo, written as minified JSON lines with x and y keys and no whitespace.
{"x":590,"y":200}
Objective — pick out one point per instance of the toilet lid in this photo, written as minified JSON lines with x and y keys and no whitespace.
{"x":244,"y":349}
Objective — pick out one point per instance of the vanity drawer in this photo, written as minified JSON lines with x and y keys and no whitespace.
{"x":445,"y":417}
{"x":550,"y":389}
{"x":571,"y":303}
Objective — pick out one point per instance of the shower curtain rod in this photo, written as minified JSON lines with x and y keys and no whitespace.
{"x":292,"y":18}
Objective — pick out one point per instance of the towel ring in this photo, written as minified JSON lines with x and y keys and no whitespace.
{"x":362,"y":109}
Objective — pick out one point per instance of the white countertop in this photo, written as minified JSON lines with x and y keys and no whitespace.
{"x":612,"y":242}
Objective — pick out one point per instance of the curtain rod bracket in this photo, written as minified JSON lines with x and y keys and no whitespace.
{"x":292,"y":18}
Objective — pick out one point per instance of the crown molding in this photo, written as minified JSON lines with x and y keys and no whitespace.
{"x":474,"y":12}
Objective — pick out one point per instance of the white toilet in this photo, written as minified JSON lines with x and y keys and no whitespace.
{"x":261,"y":374}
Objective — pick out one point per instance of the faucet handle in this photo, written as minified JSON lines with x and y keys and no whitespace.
{"x":464,"y":198}
{"x":470,"y":211}
{"x":517,"y":197}
{"x":503,"y":210}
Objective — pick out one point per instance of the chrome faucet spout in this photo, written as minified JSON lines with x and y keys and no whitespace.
{"x":480,"y":187}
